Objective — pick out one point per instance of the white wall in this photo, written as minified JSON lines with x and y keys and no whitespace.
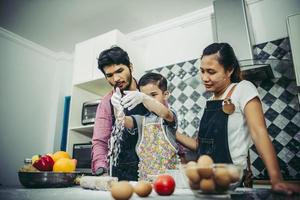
{"x":33,"y":82}
{"x":176,"y":40}
{"x":269,"y":18}
{"x":184,"y":38}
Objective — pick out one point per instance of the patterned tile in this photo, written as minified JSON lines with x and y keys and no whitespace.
{"x":281,"y":121}
{"x":271,"y":114}
{"x":289,"y":113}
{"x":286,"y":97}
{"x":285,"y":155}
{"x":294,"y":146}
{"x":283,"y":82}
{"x":283,"y":138}
{"x":273,"y":130}
{"x":291,"y":128}
{"x":269,"y":99}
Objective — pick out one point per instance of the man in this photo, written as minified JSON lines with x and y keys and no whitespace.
{"x":115,"y":65}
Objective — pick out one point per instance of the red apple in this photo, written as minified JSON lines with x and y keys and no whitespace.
{"x":44,"y":163}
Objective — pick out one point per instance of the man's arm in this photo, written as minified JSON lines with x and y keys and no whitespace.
{"x":101,"y":134}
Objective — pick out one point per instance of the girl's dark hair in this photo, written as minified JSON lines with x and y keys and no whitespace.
{"x":114,"y":55}
{"x":154,"y":78}
{"x":226,"y":57}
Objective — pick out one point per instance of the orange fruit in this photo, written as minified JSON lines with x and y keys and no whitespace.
{"x":64,"y":165}
{"x":60,"y":154}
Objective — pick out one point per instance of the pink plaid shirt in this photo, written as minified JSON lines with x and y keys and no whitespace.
{"x":101,"y":134}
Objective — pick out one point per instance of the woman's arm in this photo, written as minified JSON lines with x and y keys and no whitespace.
{"x":186,"y":141}
{"x":258,"y":130}
{"x":257,"y":126}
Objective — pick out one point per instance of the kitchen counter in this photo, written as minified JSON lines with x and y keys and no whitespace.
{"x":74,"y":193}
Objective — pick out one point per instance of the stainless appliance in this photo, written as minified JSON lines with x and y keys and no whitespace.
{"x":232,"y":27}
{"x":82,"y":153}
{"x":89,"y":110}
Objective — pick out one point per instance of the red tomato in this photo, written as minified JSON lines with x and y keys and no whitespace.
{"x":164,"y":185}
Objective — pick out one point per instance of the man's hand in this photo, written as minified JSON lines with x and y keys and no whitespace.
{"x":132,"y":99}
{"x":116,"y":99}
{"x":101,"y":171}
{"x":116,"y":102}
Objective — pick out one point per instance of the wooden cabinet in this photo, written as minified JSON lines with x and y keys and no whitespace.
{"x":89,"y":82}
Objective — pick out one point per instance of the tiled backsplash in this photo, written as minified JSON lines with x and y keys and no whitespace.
{"x":279,"y":99}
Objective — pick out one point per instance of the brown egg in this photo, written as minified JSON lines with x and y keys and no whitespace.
{"x":191,"y":163}
{"x":205,"y":172}
{"x":234,"y":173}
{"x":143,"y":188}
{"x":121,"y":190}
{"x":192,"y":173}
{"x":194,"y":186}
{"x":222,"y":177}
{"x":205,"y":161}
{"x":207,"y":185}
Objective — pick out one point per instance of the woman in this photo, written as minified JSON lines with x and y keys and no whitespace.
{"x":232,"y":117}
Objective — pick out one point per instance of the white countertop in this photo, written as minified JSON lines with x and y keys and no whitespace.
{"x":77,"y":192}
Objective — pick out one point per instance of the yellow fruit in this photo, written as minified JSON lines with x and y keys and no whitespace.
{"x":34,"y":158}
{"x":60,"y":154}
{"x":64,"y":165}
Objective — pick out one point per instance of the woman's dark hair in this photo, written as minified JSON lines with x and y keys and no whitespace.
{"x":114,"y":55}
{"x":226,"y":57}
{"x":154,"y":78}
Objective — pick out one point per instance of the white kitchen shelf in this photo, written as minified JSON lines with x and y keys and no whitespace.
{"x":98,"y":86}
{"x":87,"y":129}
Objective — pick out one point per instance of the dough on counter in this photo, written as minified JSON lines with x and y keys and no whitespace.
{"x":97,"y":182}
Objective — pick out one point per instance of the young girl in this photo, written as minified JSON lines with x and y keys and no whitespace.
{"x":233,"y":117}
{"x":156,"y":146}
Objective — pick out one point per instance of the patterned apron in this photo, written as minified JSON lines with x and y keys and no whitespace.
{"x":155,"y":151}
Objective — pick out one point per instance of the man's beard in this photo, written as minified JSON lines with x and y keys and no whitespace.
{"x":129,"y":82}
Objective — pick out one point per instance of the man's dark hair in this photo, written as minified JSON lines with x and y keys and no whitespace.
{"x":113,"y":56}
{"x":154,"y":78}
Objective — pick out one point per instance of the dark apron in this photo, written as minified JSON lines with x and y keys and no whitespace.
{"x":213,"y":138}
{"x":213,"y":133}
{"x":127,"y":164}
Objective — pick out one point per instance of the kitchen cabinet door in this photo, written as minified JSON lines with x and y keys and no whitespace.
{"x":102,"y":42}
{"x":293,"y":25}
{"x":83,"y":64}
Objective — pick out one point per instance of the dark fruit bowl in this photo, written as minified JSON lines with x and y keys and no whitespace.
{"x":47,"y":179}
